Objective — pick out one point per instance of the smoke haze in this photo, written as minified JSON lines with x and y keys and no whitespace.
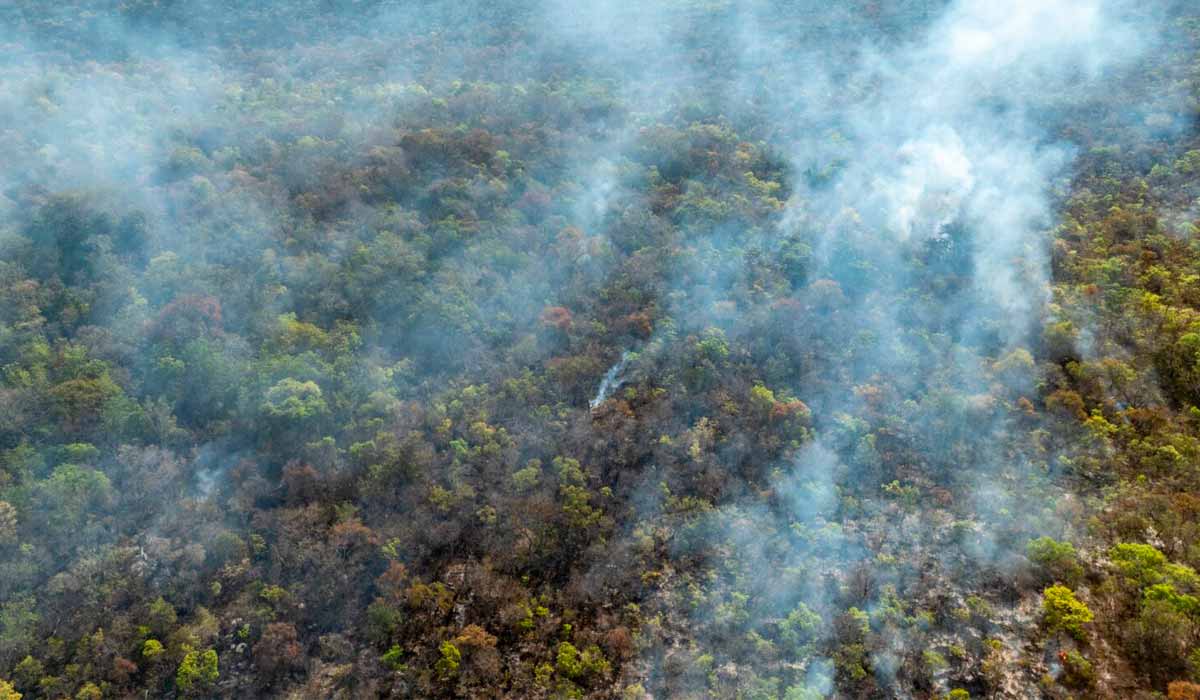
{"x":675,"y":348}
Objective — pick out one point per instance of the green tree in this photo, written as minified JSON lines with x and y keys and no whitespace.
{"x":1142,"y":564}
{"x":152,"y":650}
{"x":18,"y":623}
{"x":803,"y":692}
{"x":161,"y":616}
{"x":1057,"y":559}
{"x":8,"y":692}
{"x":28,"y":672}
{"x":447,"y":666}
{"x":8,"y":523}
{"x":799,"y":629}
{"x":567,"y":660}
{"x":197,"y":670}
{"x":294,"y":400}
{"x":1061,"y":610}
{"x":393,"y":658}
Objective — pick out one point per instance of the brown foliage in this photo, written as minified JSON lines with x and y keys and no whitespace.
{"x":391,"y":582}
{"x":1066,"y":402}
{"x":475,"y":636}
{"x":188,"y":316}
{"x":123,"y":669}
{"x":279,"y":650}
{"x":352,"y":537}
{"x":618,"y":642}
{"x":557,"y":317}
{"x":301,"y":483}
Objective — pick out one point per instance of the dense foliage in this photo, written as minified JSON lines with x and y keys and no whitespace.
{"x":304,"y":307}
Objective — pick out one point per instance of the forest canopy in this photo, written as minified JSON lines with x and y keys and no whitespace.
{"x":736,"y":349}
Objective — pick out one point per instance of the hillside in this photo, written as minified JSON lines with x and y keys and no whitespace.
{"x":666,"y":349}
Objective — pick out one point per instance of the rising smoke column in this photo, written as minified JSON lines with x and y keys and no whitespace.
{"x":952,"y":149}
{"x":938,"y":162}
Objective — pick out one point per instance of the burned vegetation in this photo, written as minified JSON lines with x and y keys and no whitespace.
{"x":536,"y":349}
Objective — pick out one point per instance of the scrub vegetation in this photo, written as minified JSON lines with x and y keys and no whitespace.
{"x":539,"y":349}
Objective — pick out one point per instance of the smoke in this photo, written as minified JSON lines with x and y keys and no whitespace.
{"x":884,"y":238}
{"x":610,"y":381}
{"x":933,"y":165}
{"x":960,"y":130}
